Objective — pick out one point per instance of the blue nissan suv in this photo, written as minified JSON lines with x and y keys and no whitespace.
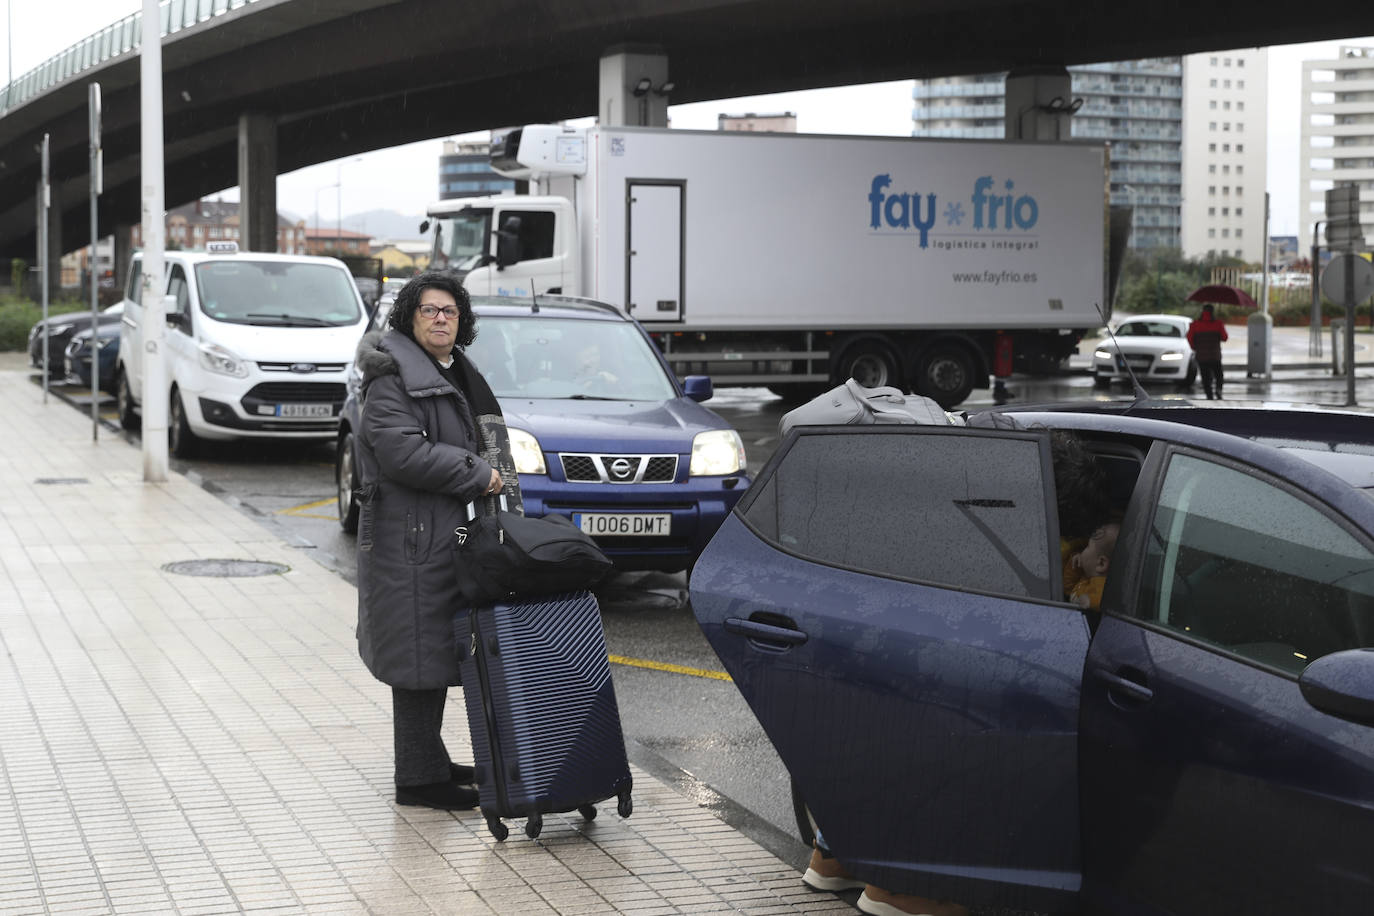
{"x":601,"y":430}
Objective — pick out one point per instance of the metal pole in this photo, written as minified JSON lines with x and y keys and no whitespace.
{"x":93,"y":98}
{"x":1350,"y":330}
{"x":44,"y":202}
{"x":152,"y":320}
{"x":1314,"y":333}
{"x":1264,"y":285}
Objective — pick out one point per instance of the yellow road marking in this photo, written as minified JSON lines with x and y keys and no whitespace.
{"x":672,"y":669}
{"x":300,"y":510}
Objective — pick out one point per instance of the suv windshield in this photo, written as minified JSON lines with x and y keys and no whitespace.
{"x":294,"y":294}
{"x":460,"y":242}
{"x":538,"y":357}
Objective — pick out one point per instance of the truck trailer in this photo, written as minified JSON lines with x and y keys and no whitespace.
{"x":795,"y":261}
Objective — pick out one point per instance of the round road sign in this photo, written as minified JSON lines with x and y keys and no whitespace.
{"x":1333,"y":278}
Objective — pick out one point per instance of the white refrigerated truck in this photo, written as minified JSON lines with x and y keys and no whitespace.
{"x":795,"y":261}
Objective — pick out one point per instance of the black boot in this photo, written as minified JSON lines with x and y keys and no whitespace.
{"x":446,"y":796}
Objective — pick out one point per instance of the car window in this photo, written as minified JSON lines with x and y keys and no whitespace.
{"x":545,"y":357}
{"x":1241,"y":563}
{"x":1148,"y":329}
{"x":177,"y":286}
{"x":282,"y":293}
{"x":962,"y":510}
{"x":536,"y":234}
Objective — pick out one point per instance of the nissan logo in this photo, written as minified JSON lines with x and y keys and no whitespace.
{"x":622,"y":468}
{"x":303,"y":368}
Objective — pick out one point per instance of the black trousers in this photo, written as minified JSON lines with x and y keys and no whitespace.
{"x":1211,"y":376}
{"x":417,"y":724}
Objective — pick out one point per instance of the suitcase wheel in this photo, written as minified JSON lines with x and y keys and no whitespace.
{"x":588,"y":812}
{"x":624,"y":806}
{"x":497,"y":827}
{"x":534,"y":825}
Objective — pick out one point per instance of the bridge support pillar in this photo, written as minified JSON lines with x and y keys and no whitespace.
{"x":258,"y":181}
{"x":634,"y":87}
{"x":1039,"y":103}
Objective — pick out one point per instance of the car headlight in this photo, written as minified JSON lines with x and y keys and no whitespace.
{"x":1103,"y":354}
{"x":218,"y":359}
{"x":717,"y":451}
{"x":1172,"y":356}
{"x":33,"y":332}
{"x":58,"y":330}
{"x":529,"y":457}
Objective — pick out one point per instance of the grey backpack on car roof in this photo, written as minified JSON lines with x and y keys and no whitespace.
{"x":851,"y":404}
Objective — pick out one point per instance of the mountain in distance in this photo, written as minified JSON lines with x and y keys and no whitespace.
{"x":380,"y":224}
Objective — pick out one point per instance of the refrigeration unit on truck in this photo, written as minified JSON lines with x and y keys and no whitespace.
{"x":796,"y":261}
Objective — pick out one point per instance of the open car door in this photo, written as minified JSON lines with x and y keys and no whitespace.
{"x":885,"y":598}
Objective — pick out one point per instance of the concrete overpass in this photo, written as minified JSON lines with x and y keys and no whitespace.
{"x":330,"y":79}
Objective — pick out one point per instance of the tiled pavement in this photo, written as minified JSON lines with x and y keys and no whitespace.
{"x":186,"y":744}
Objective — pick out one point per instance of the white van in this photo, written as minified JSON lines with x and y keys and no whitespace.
{"x":259,"y":346}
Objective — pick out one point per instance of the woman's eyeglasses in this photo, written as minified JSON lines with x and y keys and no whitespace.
{"x":432,"y":311}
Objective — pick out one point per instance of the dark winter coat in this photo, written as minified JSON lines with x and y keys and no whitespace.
{"x":420,"y":463}
{"x":1205,"y":335}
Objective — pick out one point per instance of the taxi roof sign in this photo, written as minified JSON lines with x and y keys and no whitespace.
{"x":222,"y":247}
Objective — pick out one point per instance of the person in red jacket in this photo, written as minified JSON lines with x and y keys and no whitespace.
{"x":1205,"y":336}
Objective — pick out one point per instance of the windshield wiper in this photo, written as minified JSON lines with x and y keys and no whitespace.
{"x":298,"y":320}
{"x":595,"y":397}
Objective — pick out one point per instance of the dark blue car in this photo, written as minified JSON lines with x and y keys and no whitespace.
{"x":76,"y":357}
{"x":889,"y":601}
{"x":601,"y":430}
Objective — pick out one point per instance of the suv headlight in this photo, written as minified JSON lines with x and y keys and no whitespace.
{"x":717,"y":451}
{"x":529,"y":457}
{"x":218,"y":359}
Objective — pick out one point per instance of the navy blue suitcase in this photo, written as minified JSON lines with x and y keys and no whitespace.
{"x":541,"y":708}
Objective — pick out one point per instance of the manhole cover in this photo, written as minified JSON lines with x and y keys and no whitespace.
{"x":225,"y":568}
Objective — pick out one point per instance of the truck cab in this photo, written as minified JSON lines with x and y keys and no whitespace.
{"x":507,"y":246}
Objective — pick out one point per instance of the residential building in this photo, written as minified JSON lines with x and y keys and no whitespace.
{"x":465,"y":171}
{"x":1225,"y":130}
{"x":190,"y":226}
{"x":1135,"y":105}
{"x":784,"y":122}
{"x":401,"y":256}
{"x":331,"y":240}
{"x":1337,"y":136}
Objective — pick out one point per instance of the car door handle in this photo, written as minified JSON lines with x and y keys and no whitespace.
{"x":1123,"y":689}
{"x":765,"y":634}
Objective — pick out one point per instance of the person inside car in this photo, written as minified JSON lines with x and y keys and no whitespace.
{"x":1085,"y":572}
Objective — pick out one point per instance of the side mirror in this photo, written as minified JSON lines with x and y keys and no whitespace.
{"x":1341,"y":684}
{"x":424,"y":227}
{"x":698,"y":387}
{"x":508,"y":243}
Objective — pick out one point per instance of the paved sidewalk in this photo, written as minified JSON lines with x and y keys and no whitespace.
{"x":192,"y":744}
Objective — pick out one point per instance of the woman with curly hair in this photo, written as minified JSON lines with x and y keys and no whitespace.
{"x":430,"y":441}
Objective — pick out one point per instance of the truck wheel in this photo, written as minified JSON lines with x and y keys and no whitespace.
{"x":870,"y":364}
{"x":946,"y":375}
{"x":124,"y":398}
{"x":181,"y":442}
{"x":346,"y":484}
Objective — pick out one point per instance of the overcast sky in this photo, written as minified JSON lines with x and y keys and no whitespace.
{"x":405,"y":178}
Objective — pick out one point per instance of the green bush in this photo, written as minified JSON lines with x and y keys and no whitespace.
{"x":17,"y":316}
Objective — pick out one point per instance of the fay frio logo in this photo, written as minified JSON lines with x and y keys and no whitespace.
{"x":917,"y":210}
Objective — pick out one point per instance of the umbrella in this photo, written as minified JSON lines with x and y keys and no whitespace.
{"x":1221,"y":294}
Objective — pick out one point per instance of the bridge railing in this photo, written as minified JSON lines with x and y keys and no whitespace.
{"x":123,"y":37}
